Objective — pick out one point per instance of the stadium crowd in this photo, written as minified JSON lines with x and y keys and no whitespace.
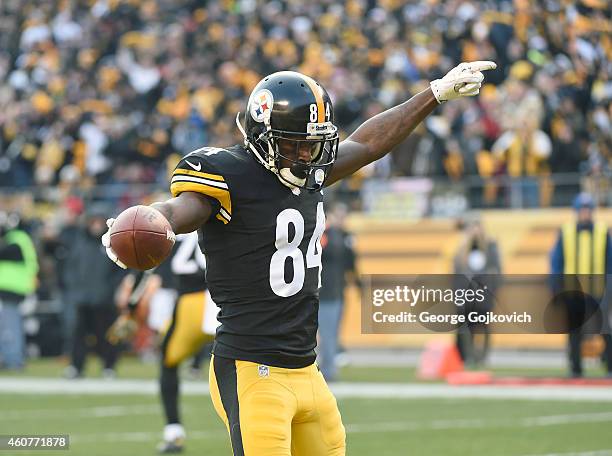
{"x":111,"y":93}
{"x":114,"y":91}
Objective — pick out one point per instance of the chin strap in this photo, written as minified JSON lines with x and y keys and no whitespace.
{"x":285,"y":176}
{"x":290,"y":179}
{"x":253,"y":149}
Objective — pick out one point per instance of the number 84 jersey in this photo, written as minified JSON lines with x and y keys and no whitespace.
{"x":263,"y":254}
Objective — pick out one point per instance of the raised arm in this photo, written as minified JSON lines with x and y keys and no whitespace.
{"x":380,"y":134}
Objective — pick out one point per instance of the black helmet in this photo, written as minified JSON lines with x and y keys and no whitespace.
{"x":295,"y":109}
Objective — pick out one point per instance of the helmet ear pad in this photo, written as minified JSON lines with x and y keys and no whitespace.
{"x":288,"y":106}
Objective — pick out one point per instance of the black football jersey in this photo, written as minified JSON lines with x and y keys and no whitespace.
{"x":263,"y":255}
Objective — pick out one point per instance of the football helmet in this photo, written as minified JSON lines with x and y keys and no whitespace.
{"x":289,"y":127}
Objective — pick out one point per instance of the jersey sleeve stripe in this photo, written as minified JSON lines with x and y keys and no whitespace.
{"x":179,"y":178}
{"x":225,"y":214}
{"x":189,"y":172}
{"x":220,"y":194}
{"x":221,"y":216}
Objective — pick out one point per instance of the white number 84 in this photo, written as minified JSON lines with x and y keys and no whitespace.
{"x":291,"y":249}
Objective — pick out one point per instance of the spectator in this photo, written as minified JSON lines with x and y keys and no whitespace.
{"x":477,"y":255}
{"x":70,"y":230}
{"x":584,"y":247}
{"x":91,"y":284}
{"x":338,"y":261}
{"x":97,"y":85}
{"x":524,"y":152}
{"x":18,"y":270}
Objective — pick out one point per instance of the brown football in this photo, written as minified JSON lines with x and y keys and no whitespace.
{"x":141,"y":237}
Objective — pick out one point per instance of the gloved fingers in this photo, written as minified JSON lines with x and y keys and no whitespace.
{"x":462,"y":67}
{"x":471,"y":89}
{"x":469,"y":78}
{"x":106,"y":239}
{"x":112,"y":255}
{"x":481,"y":65}
{"x":473,"y":77}
{"x":114,"y":258}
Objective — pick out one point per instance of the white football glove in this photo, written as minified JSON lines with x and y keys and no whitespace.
{"x":462,"y":81}
{"x":107,"y":245}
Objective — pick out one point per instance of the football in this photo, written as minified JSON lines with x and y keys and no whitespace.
{"x":142,"y":237}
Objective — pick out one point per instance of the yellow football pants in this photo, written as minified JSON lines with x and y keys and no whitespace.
{"x":184,"y":336}
{"x":272,"y":411}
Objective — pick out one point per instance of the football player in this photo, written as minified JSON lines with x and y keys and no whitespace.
{"x":192,"y":324}
{"x":258,"y":208}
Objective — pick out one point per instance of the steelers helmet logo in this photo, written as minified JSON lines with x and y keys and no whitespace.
{"x":261,"y":105}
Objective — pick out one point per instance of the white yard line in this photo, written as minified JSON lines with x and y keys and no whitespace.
{"x":553,"y":420}
{"x":32,"y":385}
{"x":481,"y":423}
{"x":92,"y":412}
{"x":415,"y":391}
{"x":583,"y":453}
{"x":27,"y":385}
{"x":144,"y":436}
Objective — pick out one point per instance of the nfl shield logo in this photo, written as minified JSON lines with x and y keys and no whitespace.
{"x":264,"y":371}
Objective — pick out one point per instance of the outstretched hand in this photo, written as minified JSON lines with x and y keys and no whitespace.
{"x":462,"y":81}
{"x":107,"y":245}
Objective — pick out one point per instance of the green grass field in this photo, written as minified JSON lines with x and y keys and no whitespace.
{"x":117,"y":425}
{"x":123,"y":425}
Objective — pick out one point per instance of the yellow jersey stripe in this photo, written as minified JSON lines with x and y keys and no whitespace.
{"x":199,"y":180}
{"x":316,"y":91}
{"x":600,"y":235}
{"x":189,"y":172}
{"x":584,"y":252}
{"x":569,"y":248}
{"x":220,"y":194}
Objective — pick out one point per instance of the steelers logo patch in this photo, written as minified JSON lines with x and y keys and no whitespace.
{"x":261,"y":105}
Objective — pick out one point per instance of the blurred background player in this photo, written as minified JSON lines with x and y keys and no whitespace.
{"x":186,"y":327}
{"x":18,"y":272}
{"x":584,"y":248}
{"x":338,"y":259}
